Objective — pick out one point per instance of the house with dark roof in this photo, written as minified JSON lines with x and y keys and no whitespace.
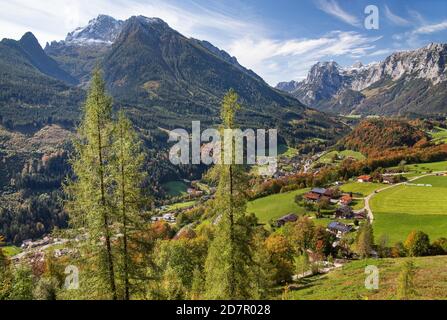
{"x":360,"y":215}
{"x":344,"y":212}
{"x":389,"y":179}
{"x":339,"y":228}
{"x":317,"y":193}
{"x":291,"y":217}
{"x":320,"y":191}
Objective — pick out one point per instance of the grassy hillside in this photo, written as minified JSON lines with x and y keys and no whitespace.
{"x":426,"y":167}
{"x":340,"y":155}
{"x":348,"y":283}
{"x":276,"y":206}
{"x":439,"y":135}
{"x":175,"y":188}
{"x":10,"y":251}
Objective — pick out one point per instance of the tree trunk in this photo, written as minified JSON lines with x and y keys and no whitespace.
{"x":106,"y":218}
{"x":232,"y":239}
{"x":125,"y":251}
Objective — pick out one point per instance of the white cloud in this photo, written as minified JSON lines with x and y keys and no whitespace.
{"x":397,"y":20}
{"x":291,"y":59}
{"x":431,"y":28}
{"x":380,"y":52}
{"x":332,"y":8}
{"x":53,"y":19}
{"x":417,"y":16}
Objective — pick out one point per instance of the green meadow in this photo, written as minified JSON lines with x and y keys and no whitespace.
{"x":421,"y":168}
{"x":361,"y":188}
{"x":10,"y":251}
{"x":399,"y":210}
{"x":276,"y":205}
{"x":180,"y":205}
{"x":328,"y":157}
{"x":286,"y":151}
{"x":439,"y":135}
{"x":175,"y":188}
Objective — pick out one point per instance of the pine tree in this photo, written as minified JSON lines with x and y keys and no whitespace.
{"x":228,"y":267}
{"x":365,"y":240}
{"x":262,"y":266}
{"x":128,"y":176}
{"x":405,"y":287}
{"x":90,"y":205}
{"x":22,"y":284}
{"x":302,"y":264}
{"x":197,"y":284}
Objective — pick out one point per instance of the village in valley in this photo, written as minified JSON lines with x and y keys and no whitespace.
{"x":341,"y":207}
{"x":256,"y":152}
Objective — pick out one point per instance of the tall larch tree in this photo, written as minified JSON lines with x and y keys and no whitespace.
{"x":128,"y":176}
{"x":229,"y":265}
{"x":405,"y":286}
{"x":90,"y":204}
{"x":365,"y":240}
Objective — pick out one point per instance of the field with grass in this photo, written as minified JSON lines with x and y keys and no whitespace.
{"x":420,"y":168}
{"x":276,"y":206}
{"x":175,"y":188}
{"x":358,"y":204}
{"x":204,"y":187}
{"x":286,"y":151}
{"x":10,"y":251}
{"x":328,"y":157}
{"x":361,"y":188}
{"x":399,"y":210}
{"x":439,"y":135}
{"x":352,"y":116}
{"x":348,"y":283}
{"x":180,"y":205}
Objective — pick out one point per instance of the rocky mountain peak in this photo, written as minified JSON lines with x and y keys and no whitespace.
{"x":103,"y":29}
{"x":30,"y":40}
{"x":288,"y":86}
{"x":324,"y":71}
{"x":328,"y":86}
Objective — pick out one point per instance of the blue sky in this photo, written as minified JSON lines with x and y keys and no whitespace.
{"x":280,"y":40}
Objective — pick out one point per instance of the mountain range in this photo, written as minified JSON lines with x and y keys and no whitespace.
{"x":161,"y":78}
{"x":405,"y":83}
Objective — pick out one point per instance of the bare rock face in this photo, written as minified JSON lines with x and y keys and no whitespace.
{"x":103,"y":29}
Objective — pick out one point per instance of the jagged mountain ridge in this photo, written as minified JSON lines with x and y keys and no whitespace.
{"x":103,"y":30}
{"x":408,"y":82}
{"x":165,"y":80}
{"x":86,"y":46}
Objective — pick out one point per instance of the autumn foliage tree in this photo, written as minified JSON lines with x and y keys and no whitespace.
{"x":229,"y":266}
{"x":417,"y":244}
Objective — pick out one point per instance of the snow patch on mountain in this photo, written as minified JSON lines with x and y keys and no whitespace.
{"x":101,"y":30}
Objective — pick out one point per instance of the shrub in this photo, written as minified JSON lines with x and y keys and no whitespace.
{"x":439,"y":247}
{"x":417,"y":244}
